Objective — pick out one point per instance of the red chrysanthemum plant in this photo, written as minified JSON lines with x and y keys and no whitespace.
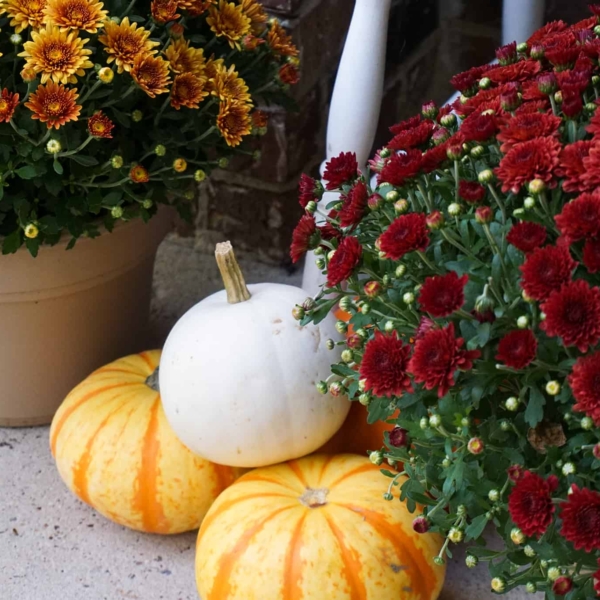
{"x":466,"y":260}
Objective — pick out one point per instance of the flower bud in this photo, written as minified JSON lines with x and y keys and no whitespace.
{"x":160,"y":150}
{"x":365,"y":308}
{"x":512,"y":403}
{"x":440,"y":135}
{"x":517,"y":536}
{"x":372,"y":289}
{"x":376,"y":457}
{"x":408,"y":298}
{"x":518,"y":213}
{"x":137,"y":115}
{"x":547,"y":83}
{"x":454,"y":209}
{"x":106,"y":75}
{"x":347,"y":356}
{"x":399,"y":438}
{"x":475,"y":445}
{"x":498,"y":584}
{"x":596,"y":451}
{"x":484,"y":214}
{"x":590,"y":108}
{"x":523,"y":322}
{"x":456,"y":535}
{"x":200,"y":175}
{"x":354,"y":341}
{"x":147,"y":204}
{"x":116,"y":162}
{"x":28,"y":75}
{"x":494,"y":495}
{"x":435,"y":220}
{"x":446,"y":463}
{"x":529,"y":203}
{"x":527,"y":297}
{"x":471,"y":561}
{"x":400,"y":270}
{"x":53,"y":147}
{"x":510,"y":100}
{"x":392,"y":196}
{"x":330,"y":254}
{"x":558,"y":97}
{"x":553,"y":573}
{"x":529,"y":551}
{"x":362,"y":385}
{"x":31,"y":231}
{"x":321,"y":264}
{"x":484,"y":83}
{"x":387,"y":496}
{"x":346,"y":303}
{"x":477,"y":151}
{"x":454,"y":152}
{"x":421,"y":524}
{"x":562,"y":586}
{"x":536,"y":186}
{"x":486,"y":176}
{"x":569,"y":469}
{"x":522,"y":47}
{"x":401,"y":206}
{"x":424,"y":423}
{"x":438,"y":560}
{"x":374,"y":201}
{"x":587,"y":423}
{"x":341,"y":327}
{"x":365,"y":399}
{"x":505,"y":425}
{"x":309,"y":303}
{"x":362,"y":333}
{"x":180,"y":165}
{"x":116,"y":212}
{"x":553,"y":388}
{"x":298,"y":313}
{"x":223,"y":162}
{"x":429,"y":110}
{"x":448,"y":120}
{"x":322,"y":387}
{"x":435,"y":420}
{"x":389,"y":326}
{"x":530,"y":587}
{"x":336,"y":389}
{"x":465,"y":421}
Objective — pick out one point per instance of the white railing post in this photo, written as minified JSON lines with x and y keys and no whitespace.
{"x":520,"y":18}
{"x":356,"y":100}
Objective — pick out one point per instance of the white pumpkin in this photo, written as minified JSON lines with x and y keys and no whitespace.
{"x":238,"y":374}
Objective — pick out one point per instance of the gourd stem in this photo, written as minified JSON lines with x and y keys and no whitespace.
{"x":152,"y":380}
{"x":232,"y":275}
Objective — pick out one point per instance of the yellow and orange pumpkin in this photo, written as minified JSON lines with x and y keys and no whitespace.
{"x":116,"y":451}
{"x":310,"y":529}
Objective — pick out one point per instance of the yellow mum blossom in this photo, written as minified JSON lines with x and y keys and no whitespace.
{"x":255,"y":12}
{"x":56,"y":54}
{"x":24,"y":13}
{"x":185,"y":59}
{"x":233,"y":121}
{"x":76,"y":14}
{"x":226,"y":84}
{"x":229,"y":21}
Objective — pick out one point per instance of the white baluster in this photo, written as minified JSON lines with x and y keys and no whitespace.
{"x":356,"y":100}
{"x":520,"y":18}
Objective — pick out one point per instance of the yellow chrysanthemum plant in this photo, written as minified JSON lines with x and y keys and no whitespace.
{"x":108,"y":110}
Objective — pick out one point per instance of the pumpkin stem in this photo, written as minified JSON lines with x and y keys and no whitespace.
{"x":232,"y":275}
{"x":152,"y":380}
{"x":313,"y":498}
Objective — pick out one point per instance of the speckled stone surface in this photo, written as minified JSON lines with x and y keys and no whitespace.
{"x":54,"y":547}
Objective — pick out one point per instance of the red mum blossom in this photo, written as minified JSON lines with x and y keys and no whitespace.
{"x":574,"y":80}
{"x":547,"y":83}
{"x":580,"y":218}
{"x":573,"y":314}
{"x":434,"y":157}
{"x":471,"y":191}
{"x":595,"y":9}
{"x":534,"y":159}
{"x":401,"y":167}
{"x":405,"y":234}
{"x":546,"y":31}
{"x":545,"y":270}
{"x":530,"y":503}
{"x":479,"y":127}
{"x":527,"y":236}
{"x":340,"y":169}
{"x":571,"y":165}
{"x":562,"y":586}
{"x":399,"y":438}
{"x":517,"y":348}
{"x":384,"y":365}
{"x":580,"y":516}
{"x":594,"y":125}
{"x":532,"y":106}
{"x":8,"y":103}
{"x":305,"y":237}
{"x":507,"y":54}
{"x":407,"y":124}
{"x":531,"y":91}
{"x":308,"y":190}
{"x":442,"y":295}
{"x":572,"y":104}
{"x":344,"y":260}
{"x":483,"y":100}
{"x":425,"y":324}
{"x":562,"y":58}
{"x":437,"y":357}
{"x":591,"y":165}
{"x":355,"y":205}
{"x":519,"y":71}
{"x":410,"y":138}
{"x":328,"y":231}
{"x":467,"y":80}
{"x":591,"y":255}
{"x":515,"y":472}
{"x":585,"y":385}
{"x":588,"y":23}
{"x":522,"y":128}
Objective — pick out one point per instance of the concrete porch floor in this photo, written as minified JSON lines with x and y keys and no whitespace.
{"x":54,"y":547}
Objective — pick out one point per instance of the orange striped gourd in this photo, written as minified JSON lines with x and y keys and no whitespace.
{"x":313,"y":529}
{"x":116,"y":451}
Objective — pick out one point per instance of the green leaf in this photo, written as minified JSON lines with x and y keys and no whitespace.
{"x":12,"y":242}
{"x":476,"y":527}
{"x":84,"y":160}
{"x":58,"y":168}
{"x":112,"y":198}
{"x":535,"y":407}
{"x":33,"y":245}
{"x":27,"y":172}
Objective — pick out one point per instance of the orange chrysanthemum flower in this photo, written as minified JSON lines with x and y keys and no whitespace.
{"x":233,"y":121}
{"x":100,"y":125}
{"x":229,"y":21}
{"x":212,"y":66}
{"x":188,"y":90}
{"x":24,"y":13}
{"x":196,"y":7}
{"x":251,"y":42}
{"x":139,"y":174}
{"x":54,"y":104}
{"x":125,"y":42}
{"x":280,"y":41}
{"x":260,"y":119}
{"x":56,"y":54}
{"x":255,"y":12}
{"x":151,"y":73}
{"x":227,"y":84}
{"x":8,"y":103}
{"x":185,"y":59}
{"x":164,"y":11}
{"x":75,"y":14}
{"x":288,"y":73}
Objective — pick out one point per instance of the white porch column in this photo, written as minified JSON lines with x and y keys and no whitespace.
{"x":356,"y":100}
{"x":520,"y":18}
